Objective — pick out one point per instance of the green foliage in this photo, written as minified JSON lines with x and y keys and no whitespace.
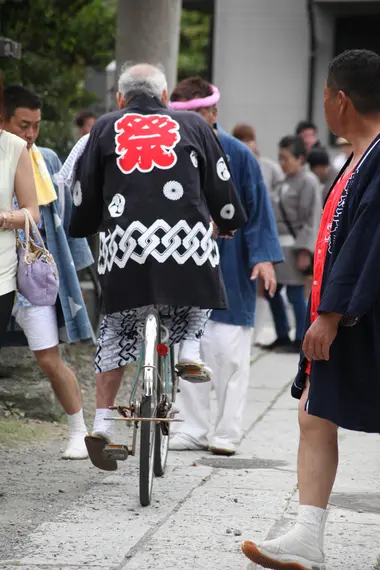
{"x":195,"y":36}
{"x":59,"y":39}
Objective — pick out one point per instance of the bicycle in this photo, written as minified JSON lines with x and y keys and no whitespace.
{"x":154,"y":412}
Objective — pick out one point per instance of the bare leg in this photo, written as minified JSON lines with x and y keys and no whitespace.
{"x":104,"y":431}
{"x":190,"y":348}
{"x":317,"y":457}
{"x":107,"y":387}
{"x":65,"y":386}
{"x":62,"y":379}
{"x":302,"y":546}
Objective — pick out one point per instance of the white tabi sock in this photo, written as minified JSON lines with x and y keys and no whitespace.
{"x":104,"y":426}
{"x":304,"y":542}
{"x":76,"y":448}
{"x":190,"y":351}
{"x":76,"y":424}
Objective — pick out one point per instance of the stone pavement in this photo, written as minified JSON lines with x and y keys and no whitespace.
{"x":206,"y":506}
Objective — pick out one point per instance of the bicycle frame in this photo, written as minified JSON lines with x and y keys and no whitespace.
{"x":150,"y":357}
{"x":155,"y":368}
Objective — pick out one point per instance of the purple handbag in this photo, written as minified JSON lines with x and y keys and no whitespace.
{"x":37,"y":275}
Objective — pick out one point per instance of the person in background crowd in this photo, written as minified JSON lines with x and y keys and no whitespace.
{"x":338,"y":382}
{"x":226,"y":344}
{"x":309,"y":134}
{"x":272,"y":172}
{"x":319,"y":162}
{"x":42,"y":326}
{"x":297,"y":206}
{"x":16,"y":177}
{"x":84,"y":122}
{"x":346,"y":151}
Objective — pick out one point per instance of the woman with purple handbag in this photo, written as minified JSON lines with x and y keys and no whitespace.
{"x":42,"y":318}
{"x":16,"y":177}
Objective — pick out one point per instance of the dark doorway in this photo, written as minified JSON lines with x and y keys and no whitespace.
{"x":357,"y":32}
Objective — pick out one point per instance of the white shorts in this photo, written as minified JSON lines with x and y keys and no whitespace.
{"x":39,"y":325}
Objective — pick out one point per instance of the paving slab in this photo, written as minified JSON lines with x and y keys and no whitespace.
{"x":205,"y":506}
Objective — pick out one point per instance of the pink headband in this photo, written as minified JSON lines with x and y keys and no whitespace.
{"x":196,"y":103}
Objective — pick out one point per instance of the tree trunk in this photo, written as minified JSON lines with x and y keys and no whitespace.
{"x":148,"y":32}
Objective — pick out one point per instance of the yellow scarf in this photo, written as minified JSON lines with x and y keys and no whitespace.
{"x":46,"y":193}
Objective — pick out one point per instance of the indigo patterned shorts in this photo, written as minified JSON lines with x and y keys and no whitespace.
{"x":121,"y":334}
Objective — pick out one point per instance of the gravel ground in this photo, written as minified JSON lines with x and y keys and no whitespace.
{"x":35,"y":484}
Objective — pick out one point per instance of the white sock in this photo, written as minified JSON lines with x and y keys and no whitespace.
{"x":76,"y":424}
{"x":305,"y":539}
{"x":190,"y":351}
{"x":102,"y":425}
{"x":312,"y":520}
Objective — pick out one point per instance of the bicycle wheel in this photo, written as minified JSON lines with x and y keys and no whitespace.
{"x":161,"y":445}
{"x":163,"y":430}
{"x":148,"y":406}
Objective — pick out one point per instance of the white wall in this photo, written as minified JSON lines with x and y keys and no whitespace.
{"x":325,"y":48}
{"x":264,"y":45}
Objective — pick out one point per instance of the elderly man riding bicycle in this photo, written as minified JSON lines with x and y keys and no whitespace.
{"x":148,"y":181}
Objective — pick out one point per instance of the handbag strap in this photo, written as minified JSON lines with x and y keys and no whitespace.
{"x":284,"y":214}
{"x":31,"y":228}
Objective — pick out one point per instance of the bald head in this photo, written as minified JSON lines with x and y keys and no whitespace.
{"x":142,"y":78}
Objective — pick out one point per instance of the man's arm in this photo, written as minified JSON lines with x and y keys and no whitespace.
{"x":260,"y":231}
{"x":222,"y":199}
{"x":87,"y":193}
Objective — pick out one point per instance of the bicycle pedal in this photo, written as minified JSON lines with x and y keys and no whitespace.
{"x":195,"y":375}
{"x":116,"y":452}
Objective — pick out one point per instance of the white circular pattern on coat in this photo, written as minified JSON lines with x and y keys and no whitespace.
{"x":116,"y":207}
{"x":194,"y":158}
{"x":222,"y":170}
{"x":227,"y":212}
{"x":77,"y":194}
{"x":173,"y":190}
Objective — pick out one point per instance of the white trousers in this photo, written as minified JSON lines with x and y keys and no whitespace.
{"x":226,"y":350}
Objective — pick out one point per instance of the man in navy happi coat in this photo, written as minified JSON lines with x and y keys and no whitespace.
{"x":226,"y":343}
{"x":338,"y":381}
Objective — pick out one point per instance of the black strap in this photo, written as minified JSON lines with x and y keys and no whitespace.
{"x":285,"y":216}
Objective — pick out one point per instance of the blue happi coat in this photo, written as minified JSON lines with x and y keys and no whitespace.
{"x":346,"y":388}
{"x":256,"y":242}
{"x":70,"y":255}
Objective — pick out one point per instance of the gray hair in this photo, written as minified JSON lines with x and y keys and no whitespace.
{"x":142,"y":78}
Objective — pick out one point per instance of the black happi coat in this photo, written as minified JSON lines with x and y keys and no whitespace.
{"x":148,"y":182}
{"x":346,"y":389}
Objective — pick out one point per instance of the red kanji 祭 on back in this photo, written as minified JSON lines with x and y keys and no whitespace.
{"x":148,"y":181}
{"x":145,"y":142}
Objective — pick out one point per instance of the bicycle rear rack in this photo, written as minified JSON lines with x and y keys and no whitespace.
{"x":156,"y":420}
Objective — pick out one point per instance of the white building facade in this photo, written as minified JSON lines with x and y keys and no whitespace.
{"x":270,"y":59}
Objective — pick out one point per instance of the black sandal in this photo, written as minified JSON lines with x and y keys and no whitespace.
{"x":95,"y":446}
